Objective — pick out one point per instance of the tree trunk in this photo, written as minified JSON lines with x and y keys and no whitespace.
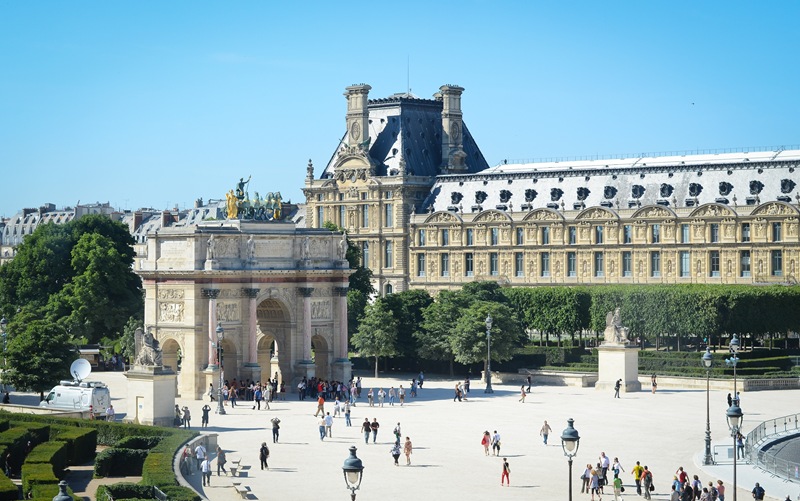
{"x":452,"y":369}
{"x":679,"y":342}
{"x":376,"y":367}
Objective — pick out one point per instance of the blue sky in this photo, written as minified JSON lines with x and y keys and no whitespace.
{"x":154,"y":104}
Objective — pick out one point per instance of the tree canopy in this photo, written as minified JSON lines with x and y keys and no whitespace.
{"x":377,"y":333}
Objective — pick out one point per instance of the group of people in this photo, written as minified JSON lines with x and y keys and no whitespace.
{"x":250,"y":391}
{"x":683,"y":488}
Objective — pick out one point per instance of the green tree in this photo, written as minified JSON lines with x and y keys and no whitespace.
{"x":38,"y":355}
{"x":436,"y":332}
{"x":407,"y":307}
{"x":468,"y":340}
{"x":128,"y":340}
{"x":78,"y":275}
{"x":377,"y":334}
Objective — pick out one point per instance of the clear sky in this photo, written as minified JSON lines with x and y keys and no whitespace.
{"x":154,"y":104}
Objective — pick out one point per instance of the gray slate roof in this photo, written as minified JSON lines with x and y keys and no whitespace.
{"x":746,"y":178}
{"x":404,"y":126}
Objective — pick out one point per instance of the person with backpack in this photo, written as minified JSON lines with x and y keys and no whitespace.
{"x":647,"y":482}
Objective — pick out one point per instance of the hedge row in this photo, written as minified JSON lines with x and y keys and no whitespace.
{"x":119,"y":462}
{"x":81,"y":442}
{"x":43,"y":468}
{"x":124,"y":490}
{"x":138,"y":442}
{"x":54,"y":453}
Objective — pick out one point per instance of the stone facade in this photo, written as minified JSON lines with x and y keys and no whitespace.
{"x":275,"y":290}
{"x":727,"y":217}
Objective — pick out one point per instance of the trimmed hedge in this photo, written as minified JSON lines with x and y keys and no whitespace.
{"x":81,"y":442}
{"x":8,"y":489}
{"x":139,"y":442}
{"x":119,"y":462}
{"x":54,"y":453}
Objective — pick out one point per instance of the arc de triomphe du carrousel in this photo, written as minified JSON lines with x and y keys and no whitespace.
{"x":278,"y":292}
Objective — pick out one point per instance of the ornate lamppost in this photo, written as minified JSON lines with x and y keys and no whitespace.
{"x":488,"y":354}
{"x":353,"y":470}
{"x":570,"y":440}
{"x":220,"y":335}
{"x":734,"y":415}
{"x":731,"y":362}
{"x":708,"y":361}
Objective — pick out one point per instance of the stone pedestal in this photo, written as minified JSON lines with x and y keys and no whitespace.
{"x":617,"y":361}
{"x":151,"y":395}
{"x":342,"y":369}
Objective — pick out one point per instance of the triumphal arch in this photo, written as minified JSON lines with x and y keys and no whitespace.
{"x":278,"y":292}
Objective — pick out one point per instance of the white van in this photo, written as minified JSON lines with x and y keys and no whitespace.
{"x":79,"y":396}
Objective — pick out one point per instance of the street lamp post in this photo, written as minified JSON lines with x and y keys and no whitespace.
{"x":731,"y":362}
{"x":220,"y":335}
{"x":488,"y":354}
{"x":353,"y":470}
{"x":570,"y":440}
{"x":734,"y":415}
{"x":708,"y":361}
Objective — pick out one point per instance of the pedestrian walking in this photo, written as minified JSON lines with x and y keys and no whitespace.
{"x":391,"y":395}
{"x":257,"y":395}
{"x":522,"y":394}
{"x":204,"y":419}
{"x":328,"y":424}
{"x":496,"y":443}
{"x":366,"y":428}
{"x":205,"y":471}
{"x":347,"y":414}
{"x":506,"y":473}
{"x":321,"y":424}
{"x":617,"y":386}
{"x":401,"y":393}
{"x":381,"y":396}
{"x":616,"y":466}
{"x":263,"y":455}
{"x":211,"y":392}
{"x":178,"y":419}
{"x":720,"y":490}
{"x":187,"y":418}
{"x":586,"y":479}
{"x":653,"y":383}
{"x":407,"y":449}
{"x":637,"y":477}
{"x":545,"y":431}
{"x":486,"y":440}
{"x":647,"y":480}
{"x":594,"y":484}
{"x":374,"y":426}
{"x":320,"y":406}
{"x":276,"y":429}
{"x":200,"y":454}
{"x":371,"y":397}
{"x":397,"y":433}
{"x":221,"y":460}
{"x":758,"y":492}
{"x":396,"y":453}
{"x":421,"y":379}
{"x":529,"y":383}
{"x":617,"y":488}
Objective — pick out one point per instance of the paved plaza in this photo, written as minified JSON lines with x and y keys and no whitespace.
{"x":663,"y":430}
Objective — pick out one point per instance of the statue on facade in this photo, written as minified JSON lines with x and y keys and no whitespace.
{"x":305,"y":250}
{"x":251,"y":248}
{"x":615,"y":333}
{"x":210,"y":248}
{"x":343,"y":247}
{"x":148,"y":351}
{"x":240,"y":192}
{"x":232,"y":204}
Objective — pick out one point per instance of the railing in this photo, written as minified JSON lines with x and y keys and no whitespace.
{"x":785,"y":426}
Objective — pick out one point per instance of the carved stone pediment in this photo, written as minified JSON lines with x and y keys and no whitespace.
{"x":543,"y":215}
{"x":491,"y":215}
{"x":653,"y":211}
{"x":774,"y":209}
{"x":712,"y":210}
{"x":442,"y":217}
{"x":596,"y":213}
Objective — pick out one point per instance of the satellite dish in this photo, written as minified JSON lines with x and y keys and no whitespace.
{"x":80,"y":369}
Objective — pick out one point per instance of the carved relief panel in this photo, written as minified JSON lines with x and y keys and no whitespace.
{"x":228,"y":311}
{"x":170,"y":312}
{"x":321,"y":310}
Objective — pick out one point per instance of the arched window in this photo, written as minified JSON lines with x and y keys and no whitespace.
{"x":388,"y":289}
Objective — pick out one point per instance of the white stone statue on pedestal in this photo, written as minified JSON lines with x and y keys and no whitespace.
{"x":615,"y":333}
{"x":148,"y":352}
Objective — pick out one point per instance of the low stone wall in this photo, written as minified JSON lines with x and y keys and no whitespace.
{"x":588,"y":379}
{"x":29,"y":409}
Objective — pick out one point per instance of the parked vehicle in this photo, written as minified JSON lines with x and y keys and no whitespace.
{"x":79,"y":396}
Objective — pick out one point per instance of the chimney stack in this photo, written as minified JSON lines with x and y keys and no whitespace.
{"x":453,"y":156}
{"x":357,"y":114}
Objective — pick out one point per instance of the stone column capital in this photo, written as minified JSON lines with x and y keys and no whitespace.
{"x":341,"y":291}
{"x":251,"y":293}
{"x":210,"y":293}
{"x":305,"y":291}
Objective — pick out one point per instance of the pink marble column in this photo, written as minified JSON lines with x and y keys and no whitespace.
{"x":306,"y":293}
{"x":253,"y":327}
{"x":341,"y":350}
{"x":212,"y":295}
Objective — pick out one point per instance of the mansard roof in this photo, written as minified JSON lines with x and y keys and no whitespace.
{"x":745,"y":178}
{"x":406,"y":127}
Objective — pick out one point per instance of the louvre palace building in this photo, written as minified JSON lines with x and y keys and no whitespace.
{"x":409,"y":184}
